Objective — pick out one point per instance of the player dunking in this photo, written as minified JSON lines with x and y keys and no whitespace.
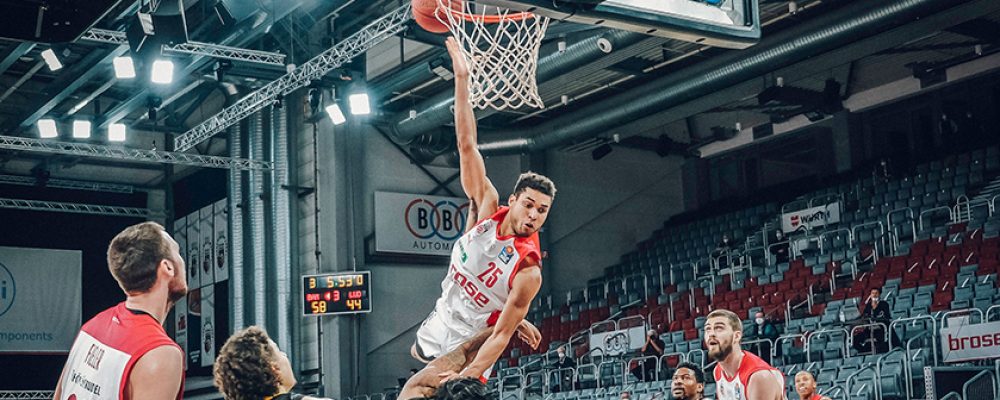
{"x":739,"y":374}
{"x":495,"y":269}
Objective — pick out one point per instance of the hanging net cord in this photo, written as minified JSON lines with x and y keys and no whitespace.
{"x":502,"y":52}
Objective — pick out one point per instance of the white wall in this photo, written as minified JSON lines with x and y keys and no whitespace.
{"x":604,"y":208}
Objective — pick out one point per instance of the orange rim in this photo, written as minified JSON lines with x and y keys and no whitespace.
{"x":493,"y":19}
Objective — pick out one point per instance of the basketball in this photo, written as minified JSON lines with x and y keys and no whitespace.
{"x":424,"y":13}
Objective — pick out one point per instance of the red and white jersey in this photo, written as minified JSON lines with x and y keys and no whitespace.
{"x":105,"y":351}
{"x":479,"y":279}
{"x":735,"y":387}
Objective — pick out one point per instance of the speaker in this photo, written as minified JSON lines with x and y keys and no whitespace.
{"x":50,"y":21}
{"x":149,"y":30}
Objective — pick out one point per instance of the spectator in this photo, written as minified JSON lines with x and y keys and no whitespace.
{"x":805,"y":386}
{"x":761,"y":328}
{"x":645,"y":370}
{"x":722,"y":250}
{"x":688,"y":382}
{"x":873,"y":338}
{"x":779,"y":247}
{"x":250,"y":366}
{"x":626,"y":395}
{"x":564,"y":378}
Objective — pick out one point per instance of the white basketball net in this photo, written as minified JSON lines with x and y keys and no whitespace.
{"x":502,"y":56}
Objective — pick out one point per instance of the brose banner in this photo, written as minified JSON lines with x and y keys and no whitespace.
{"x":40,"y":302}
{"x":811,"y":217}
{"x":418,"y":224}
{"x":971,"y":342}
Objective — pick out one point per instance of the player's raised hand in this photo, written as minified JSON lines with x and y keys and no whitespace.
{"x":528,"y":333}
{"x":458,"y":62}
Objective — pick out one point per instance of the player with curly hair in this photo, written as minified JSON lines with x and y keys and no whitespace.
{"x":251,"y":367}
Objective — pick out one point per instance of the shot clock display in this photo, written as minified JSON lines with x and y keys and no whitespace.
{"x":336,"y":293}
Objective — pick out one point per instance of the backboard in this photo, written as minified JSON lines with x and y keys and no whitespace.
{"x":720,"y":23}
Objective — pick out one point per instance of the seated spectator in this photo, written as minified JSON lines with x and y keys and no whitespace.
{"x":645,"y":370}
{"x":251,"y":367}
{"x":688,"y":382}
{"x":779,"y":247}
{"x":626,"y":395}
{"x":872,"y":339}
{"x":562,"y":379}
{"x":761,"y":328}
{"x":805,"y":386}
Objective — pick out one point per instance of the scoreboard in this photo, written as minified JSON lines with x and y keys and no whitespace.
{"x":336,"y":293}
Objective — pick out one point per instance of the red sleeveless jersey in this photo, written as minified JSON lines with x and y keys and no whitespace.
{"x":105,"y":351}
{"x":735,"y":387}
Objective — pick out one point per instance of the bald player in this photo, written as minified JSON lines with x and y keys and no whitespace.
{"x":805,"y":386}
{"x":739,"y":374}
{"x":495,"y":268}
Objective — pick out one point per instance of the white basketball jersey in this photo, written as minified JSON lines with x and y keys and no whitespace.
{"x":735,"y":388}
{"x":483,"y":265}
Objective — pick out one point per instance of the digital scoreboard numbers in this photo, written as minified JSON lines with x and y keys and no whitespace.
{"x":336,"y":293}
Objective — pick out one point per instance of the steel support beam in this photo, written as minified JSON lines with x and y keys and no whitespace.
{"x":127,"y":154}
{"x":76,"y":208}
{"x":341,"y":53}
{"x":14,"y":54}
{"x":197,"y":48}
{"x":67,"y":184}
{"x":26,"y":394}
{"x":90,"y":67}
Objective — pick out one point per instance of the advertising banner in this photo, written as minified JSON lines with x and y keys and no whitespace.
{"x":418,"y":224}
{"x":40,"y":299}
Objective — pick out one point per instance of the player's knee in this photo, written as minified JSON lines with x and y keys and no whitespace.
{"x":415,"y":353}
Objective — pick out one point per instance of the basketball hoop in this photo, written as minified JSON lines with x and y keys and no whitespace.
{"x":501,"y":48}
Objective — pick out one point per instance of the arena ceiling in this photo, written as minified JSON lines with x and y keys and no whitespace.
{"x":86,"y":88}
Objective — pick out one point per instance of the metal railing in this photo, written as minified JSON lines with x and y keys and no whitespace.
{"x":871,"y":335}
{"x":560,"y":375}
{"x":640,"y":363}
{"x":951,"y":215}
{"x":879,"y":363}
{"x":877,"y":240}
{"x":785,"y":338}
{"x":701,"y":356}
{"x":830,"y":333}
{"x":914,"y":321}
{"x":908,"y":362}
{"x":856,"y":374}
{"x":980,"y":387}
{"x":990,"y":311}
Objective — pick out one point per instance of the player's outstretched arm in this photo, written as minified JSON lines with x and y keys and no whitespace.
{"x":427,"y":380}
{"x":525,"y":287}
{"x":471,"y":165}
{"x":764,"y":385}
{"x":157,"y":375}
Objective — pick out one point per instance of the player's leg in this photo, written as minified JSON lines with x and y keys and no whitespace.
{"x":432,"y":339}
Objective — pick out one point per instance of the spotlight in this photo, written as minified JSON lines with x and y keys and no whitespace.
{"x":51,"y":60}
{"x":81,"y":129}
{"x":124,"y":67}
{"x":336,"y":115}
{"x":116,"y":132}
{"x":359,"y":104}
{"x":47,"y":128}
{"x":163,"y":72}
